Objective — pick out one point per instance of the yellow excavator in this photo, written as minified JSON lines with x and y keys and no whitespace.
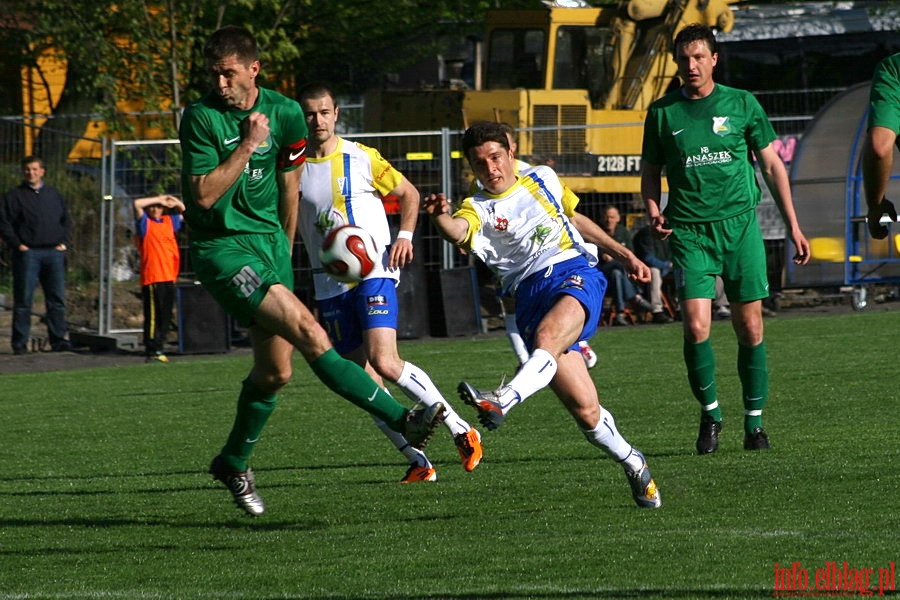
{"x":574,"y":82}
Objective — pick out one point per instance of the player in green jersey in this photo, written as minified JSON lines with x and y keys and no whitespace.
{"x":704,"y":135}
{"x":243,"y":149}
{"x":881,"y":137}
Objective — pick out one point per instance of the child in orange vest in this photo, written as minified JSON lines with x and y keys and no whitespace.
{"x":160,"y":261}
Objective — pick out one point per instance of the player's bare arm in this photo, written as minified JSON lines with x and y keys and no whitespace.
{"x":289,"y":201}
{"x":208,"y":188}
{"x":651,"y":192}
{"x":438,"y":210}
{"x":402,"y":248}
{"x":591,"y":232}
{"x":775,"y":175}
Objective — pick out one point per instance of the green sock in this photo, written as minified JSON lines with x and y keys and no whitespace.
{"x":349,"y":380}
{"x":753,"y":370}
{"x":701,"y":370}
{"x":253,"y":409}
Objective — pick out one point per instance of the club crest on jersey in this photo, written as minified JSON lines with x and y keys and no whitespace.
{"x":501,"y":224}
{"x":265,"y":146}
{"x":540,"y":233}
{"x":573,"y":281}
{"x":328,"y":220}
{"x":720,"y":125}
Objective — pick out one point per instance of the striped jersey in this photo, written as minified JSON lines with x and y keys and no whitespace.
{"x":524,"y":230}
{"x":346,"y":188}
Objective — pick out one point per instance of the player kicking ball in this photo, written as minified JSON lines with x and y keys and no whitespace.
{"x":533,"y":240}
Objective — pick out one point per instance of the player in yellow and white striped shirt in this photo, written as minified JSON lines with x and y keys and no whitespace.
{"x":509,"y":305}
{"x":532,"y":238}
{"x":344,"y":183}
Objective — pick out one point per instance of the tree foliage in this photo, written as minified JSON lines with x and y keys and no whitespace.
{"x":148,"y":54}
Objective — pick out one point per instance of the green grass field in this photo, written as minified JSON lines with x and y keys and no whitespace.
{"x":104,"y":491}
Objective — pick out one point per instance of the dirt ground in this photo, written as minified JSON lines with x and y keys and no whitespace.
{"x":79,"y":358}
{"x":40,"y":358}
{"x":793,"y":304}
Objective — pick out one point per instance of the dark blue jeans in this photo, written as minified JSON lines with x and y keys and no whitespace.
{"x":621,"y":288}
{"x":47,"y":265}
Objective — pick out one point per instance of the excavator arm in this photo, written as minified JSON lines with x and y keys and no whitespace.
{"x":643,"y":30}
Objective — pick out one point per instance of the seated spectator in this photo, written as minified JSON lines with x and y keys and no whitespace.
{"x":621,"y":289}
{"x":656,"y":254}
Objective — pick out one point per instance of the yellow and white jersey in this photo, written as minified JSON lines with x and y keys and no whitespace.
{"x":345,"y":187}
{"x":524,"y":230}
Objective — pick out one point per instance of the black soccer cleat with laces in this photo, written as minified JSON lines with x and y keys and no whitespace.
{"x":757,"y":440}
{"x":708,"y":438}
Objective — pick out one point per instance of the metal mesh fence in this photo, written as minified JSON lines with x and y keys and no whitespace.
{"x":103,"y":287}
{"x":142,"y":168}
{"x":131,"y":170}
{"x":80,"y":185}
{"x":790,"y":112}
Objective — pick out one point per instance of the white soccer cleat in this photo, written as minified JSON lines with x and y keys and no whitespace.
{"x":488,"y":405}
{"x":588,"y":354}
{"x":643,"y":488}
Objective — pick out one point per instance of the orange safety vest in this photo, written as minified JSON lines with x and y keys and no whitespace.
{"x":160,"y":256}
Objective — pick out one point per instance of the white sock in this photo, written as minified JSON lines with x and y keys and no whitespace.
{"x":515,"y":338}
{"x":417,"y":385}
{"x":606,"y":437}
{"x":414,"y":456}
{"x":535,"y":374}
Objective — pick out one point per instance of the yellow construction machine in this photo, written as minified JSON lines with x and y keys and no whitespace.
{"x":574,"y":82}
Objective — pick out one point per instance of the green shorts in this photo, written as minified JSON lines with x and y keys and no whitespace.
{"x":238,"y":270}
{"x":732,"y":248}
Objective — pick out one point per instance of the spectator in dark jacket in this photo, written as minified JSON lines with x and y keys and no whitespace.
{"x":35,"y":223}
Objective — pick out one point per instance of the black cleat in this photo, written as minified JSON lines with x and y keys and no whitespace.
{"x":708,"y":438}
{"x":757,"y":440}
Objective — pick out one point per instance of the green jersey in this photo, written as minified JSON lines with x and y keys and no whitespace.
{"x":884,"y":98}
{"x":704,"y":146}
{"x":210,"y":131}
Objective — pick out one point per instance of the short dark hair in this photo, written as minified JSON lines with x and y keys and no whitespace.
{"x":231,"y":40}
{"x":315,"y":89}
{"x":695,"y":32}
{"x":483,"y":132}
{"x":31,"y":159}
{"x":508,"y":128}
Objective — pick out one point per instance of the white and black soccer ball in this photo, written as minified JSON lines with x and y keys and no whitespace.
{"x":348,"y":254}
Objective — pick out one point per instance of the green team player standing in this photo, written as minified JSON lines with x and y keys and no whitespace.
{"x":704,"y":136}
{"x":243,"y":147}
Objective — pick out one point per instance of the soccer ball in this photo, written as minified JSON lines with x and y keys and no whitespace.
{"x":348,"y":254}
